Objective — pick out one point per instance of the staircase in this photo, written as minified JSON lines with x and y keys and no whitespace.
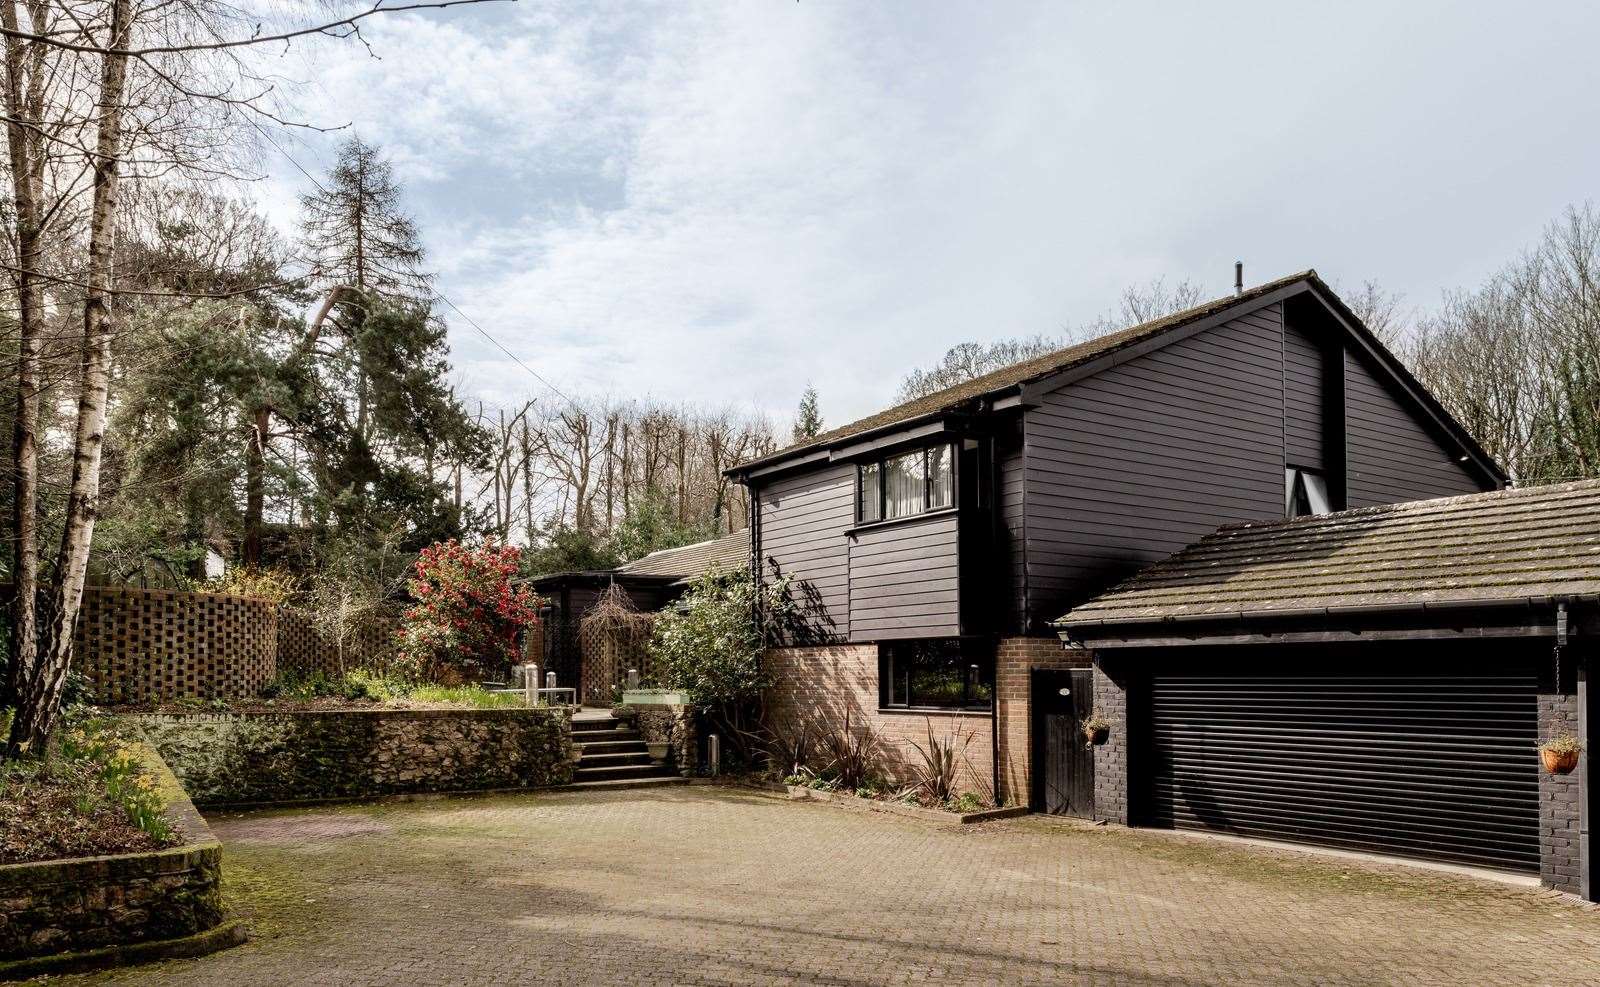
{"x":613,"y":755}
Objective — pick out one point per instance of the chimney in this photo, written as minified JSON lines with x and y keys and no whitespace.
{"x":1238,"y":277}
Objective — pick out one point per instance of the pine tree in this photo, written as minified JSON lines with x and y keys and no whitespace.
{"x":383,"y":398}
{"x":808,"y":421}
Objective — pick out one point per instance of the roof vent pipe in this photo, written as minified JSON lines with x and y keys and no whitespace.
{"x":1238,"y":277}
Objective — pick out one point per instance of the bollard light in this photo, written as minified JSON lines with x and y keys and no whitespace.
{"x":530,"y":684}
{"x":633,"y":678}
{"x":714,"y":754}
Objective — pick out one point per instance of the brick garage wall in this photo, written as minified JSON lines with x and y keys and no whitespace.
{"x":1111,"y":758}
{"x":821,"y":684}
{"x":237,"y":758}
{"x":1015,"y":660}
{"x":139,"y":644}
{"x":1559,"y":843}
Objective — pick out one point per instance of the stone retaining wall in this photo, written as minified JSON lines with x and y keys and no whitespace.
{"x":669,"y":733}
{"x":244,"y":758}
{"x":90,"y":903}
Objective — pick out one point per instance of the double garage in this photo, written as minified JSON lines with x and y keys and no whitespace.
{"x":1379,"y":680}
{"x":1373,"y":747}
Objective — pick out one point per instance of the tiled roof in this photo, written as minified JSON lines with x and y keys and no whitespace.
{"x":1028,"y":370}
{"x":1535,"y":543}
{"x":728,"y":552}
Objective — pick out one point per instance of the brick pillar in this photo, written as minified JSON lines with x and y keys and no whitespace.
{"x":1111,"y":758}
{"x":1015,"y":660}
{"x":1559,"y":851}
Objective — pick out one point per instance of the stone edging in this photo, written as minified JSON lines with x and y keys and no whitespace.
{"x":199,"y":855}
{"x":230,"y":933}
{"x":800,"y":793}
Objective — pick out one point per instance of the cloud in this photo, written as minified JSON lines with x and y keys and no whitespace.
{"x":719,"y":203}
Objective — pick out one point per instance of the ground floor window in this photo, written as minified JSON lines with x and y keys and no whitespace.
{"x":940,"y":673}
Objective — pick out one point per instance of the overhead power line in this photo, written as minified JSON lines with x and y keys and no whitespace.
{"x":437,"y":294}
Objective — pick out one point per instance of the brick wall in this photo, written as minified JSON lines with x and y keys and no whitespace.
{"x":1559,"y":851}
{"x":1111,"y":758}
{"x":822,"y":684}
{"x":1015,"y":660}
{"x":140,"y":644}
{"x":304,"y":647}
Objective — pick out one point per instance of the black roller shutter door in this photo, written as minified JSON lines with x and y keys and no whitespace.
{"x":1390,"y":755}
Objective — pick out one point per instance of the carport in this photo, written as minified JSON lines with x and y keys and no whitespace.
{"x":1377,"y":679}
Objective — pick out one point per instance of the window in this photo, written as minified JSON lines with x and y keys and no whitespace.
{"x":942,"y":673}
{"x":1305,"y":492}
{"x":906,"y":485}
{"x":869,"y":501}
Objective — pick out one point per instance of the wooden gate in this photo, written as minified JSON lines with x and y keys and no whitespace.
{"x":1063,"y":764}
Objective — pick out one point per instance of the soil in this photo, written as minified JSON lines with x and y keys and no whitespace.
{"x":63,"y":812}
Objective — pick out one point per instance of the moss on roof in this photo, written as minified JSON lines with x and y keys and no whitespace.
{"x":1530,"y":543}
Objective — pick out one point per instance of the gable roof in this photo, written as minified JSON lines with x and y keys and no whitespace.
{"x":688,"y":561}
{"x":953,"y":397}
{"x":966,"y":395}
{"x":1507,"y":546}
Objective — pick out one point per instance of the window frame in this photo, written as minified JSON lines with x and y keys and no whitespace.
{"x":880,"y":466}
{"x":967,"y":648}
{"x":1295,"y":480}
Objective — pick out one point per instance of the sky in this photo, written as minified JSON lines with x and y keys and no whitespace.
{"x":721,"y":203}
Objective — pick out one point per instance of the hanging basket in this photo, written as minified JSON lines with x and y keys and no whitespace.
{"x":1558,"y":762}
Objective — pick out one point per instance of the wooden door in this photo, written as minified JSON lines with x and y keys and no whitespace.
{"x":1063,"y":764}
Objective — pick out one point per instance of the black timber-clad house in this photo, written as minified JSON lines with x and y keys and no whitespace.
{"x":1377,"y":679}
{"x":935,"y":542}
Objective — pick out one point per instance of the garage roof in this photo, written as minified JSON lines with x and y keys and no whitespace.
{"x":1534,"y":544}
{"x":728,"y":553}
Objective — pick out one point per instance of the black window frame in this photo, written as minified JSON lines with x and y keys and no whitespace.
{"x":880,"y":465}
{"x":976,"y":657}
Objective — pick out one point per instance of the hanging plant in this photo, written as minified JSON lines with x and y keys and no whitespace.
{"x":1096,"y":730}
{"x":1560,"y":753}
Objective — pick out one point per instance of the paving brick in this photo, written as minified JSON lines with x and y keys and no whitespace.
{"x":717,"y":886}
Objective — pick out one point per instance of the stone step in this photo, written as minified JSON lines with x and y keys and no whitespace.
{"x":585,"y":737}
{"x":587,"y":747}
{"x":622,"y":771}
{"x":613,"y":759}
{"x":597,"y":723}
{"x":622,"y":783}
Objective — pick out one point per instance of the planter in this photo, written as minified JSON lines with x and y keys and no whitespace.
{"x":655,"y":697}
{"x":1098,"y":735}
{"x":1558,"y":762}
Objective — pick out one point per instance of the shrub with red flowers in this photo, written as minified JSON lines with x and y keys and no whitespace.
{"x":467,"y":615}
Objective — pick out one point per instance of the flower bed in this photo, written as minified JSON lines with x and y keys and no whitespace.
{"x":91,"y":796}
{"x":109,"y":907}
{"x":317,"y":692}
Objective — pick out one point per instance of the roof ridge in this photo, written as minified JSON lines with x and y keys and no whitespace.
{"x":1031,"y":369}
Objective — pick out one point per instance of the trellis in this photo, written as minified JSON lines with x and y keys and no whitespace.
{"x":613,"y":636}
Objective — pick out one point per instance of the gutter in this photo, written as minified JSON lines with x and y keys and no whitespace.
{"x":1064,"y":628}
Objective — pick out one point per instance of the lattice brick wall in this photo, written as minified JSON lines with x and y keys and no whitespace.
{"x":305,"y":648}
{"x":136,"y":644}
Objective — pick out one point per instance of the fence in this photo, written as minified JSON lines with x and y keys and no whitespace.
{"x":139,"y":645}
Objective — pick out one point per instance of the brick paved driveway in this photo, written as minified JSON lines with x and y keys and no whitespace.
{"x":704,"y":885}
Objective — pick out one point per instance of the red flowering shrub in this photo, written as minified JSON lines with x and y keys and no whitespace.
{"x":467,"y":616}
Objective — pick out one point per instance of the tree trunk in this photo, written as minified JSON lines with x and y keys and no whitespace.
{"x":23,"y":145}
{"x":39,"y":699}
{"x":255,"y":485}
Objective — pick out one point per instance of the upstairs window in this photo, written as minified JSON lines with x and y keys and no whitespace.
{"x":1305,"y":492}
{"x":906,"y":484}
{"x":941,"y":673}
